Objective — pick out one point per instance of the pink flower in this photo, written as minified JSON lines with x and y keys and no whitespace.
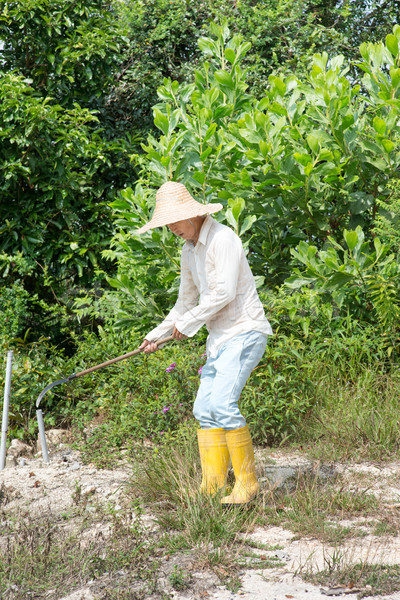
{"x":170,"y":368}
{"x":166,"y":409}
{"x":200,"y":370}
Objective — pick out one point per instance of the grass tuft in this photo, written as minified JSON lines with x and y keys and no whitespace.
{"x":354,"y":420}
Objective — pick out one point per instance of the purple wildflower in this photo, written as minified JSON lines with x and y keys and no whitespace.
{"x":170,"y":368}
{"x":200,"y":370}
{"x":166,"y":409}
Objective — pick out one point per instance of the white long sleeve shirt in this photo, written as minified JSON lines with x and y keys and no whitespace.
{"x":217,"y":289}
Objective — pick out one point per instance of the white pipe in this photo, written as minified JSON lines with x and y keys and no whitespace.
{"x":6,"y":406}
{"x":42,"y":436}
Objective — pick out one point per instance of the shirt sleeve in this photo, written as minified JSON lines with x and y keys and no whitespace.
{"x":187,"y":298}
{"x":222,"y":272}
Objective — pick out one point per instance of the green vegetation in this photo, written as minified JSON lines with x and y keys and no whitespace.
{"x":293,"y":126}
{"x":288,"y":114}
{"x":375,"y":579}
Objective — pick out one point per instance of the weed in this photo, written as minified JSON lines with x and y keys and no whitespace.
{"x":356,"y":419}
{"x":77,"y":493}
{"x":5,"y":494}
{"x":170,"y":481}
{"x":41,"y":555}
{"x":371,"y":579}
{"x":310,"y":509}
{"x":178,"y":579}
{"x":387,"y":526}
{"x":233,"y":584}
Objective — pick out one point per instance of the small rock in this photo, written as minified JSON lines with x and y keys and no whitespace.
{"x":286,"y":477}
{"x":18,"y":448}
{"x":336,"y":591}
{"x":22,"y":462}
{"x":74,"y":467}
{"x":54,"y":437}
{"x":11,"y":461}
{"x":88,"y":491}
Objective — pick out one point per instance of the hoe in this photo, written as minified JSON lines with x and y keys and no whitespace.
{"x":39,"y":413}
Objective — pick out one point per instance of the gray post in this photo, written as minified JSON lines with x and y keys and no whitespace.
{"x":6,"y":406}
{"x":42,"y":436}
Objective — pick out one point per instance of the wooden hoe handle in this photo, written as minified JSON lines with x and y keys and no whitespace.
{"x":115,"y":360}
{"x":104,"y":364}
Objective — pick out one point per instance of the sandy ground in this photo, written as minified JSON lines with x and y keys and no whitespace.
{"x":37,"y":488}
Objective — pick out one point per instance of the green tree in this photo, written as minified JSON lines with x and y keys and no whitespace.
{"x":284,"y":35}
{"x":70,"y":50}
{"x":60,"y":156}
{"x":50,"y":193}
{"x":311,"y":158}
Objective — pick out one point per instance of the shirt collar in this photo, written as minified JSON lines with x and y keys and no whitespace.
{"x":205,"y":229}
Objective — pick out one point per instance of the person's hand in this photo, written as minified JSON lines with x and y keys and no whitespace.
{"x":148,"y":347}
{"x":178,"y":335}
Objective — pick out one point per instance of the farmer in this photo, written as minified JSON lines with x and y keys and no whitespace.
{"x":217,"y":289}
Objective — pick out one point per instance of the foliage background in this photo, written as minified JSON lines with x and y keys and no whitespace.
{"x":286,"y":112}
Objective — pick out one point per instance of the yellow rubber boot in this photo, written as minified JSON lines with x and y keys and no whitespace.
{"x":214,"y":458}
{"x":241,"y":452}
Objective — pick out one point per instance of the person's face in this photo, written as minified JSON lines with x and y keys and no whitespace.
{"x":184,"y":229}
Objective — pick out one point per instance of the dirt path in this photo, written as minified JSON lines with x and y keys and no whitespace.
{"x":32,"y":489}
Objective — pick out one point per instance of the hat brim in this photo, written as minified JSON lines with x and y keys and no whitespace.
{"x":180,"y":214}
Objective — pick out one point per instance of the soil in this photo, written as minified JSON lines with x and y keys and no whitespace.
{"x":31,"y":488}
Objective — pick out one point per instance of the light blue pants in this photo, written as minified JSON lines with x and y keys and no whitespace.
{"x":223,"y":378}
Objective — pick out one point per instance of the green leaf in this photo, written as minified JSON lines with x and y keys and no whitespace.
{"x":210,"y":131}
{"x":230,"y":55}
{"x":395,"y":76}
{"x":388,"y":145}
{"x":115,"y":283}
{"x":237,"y":207}
{"x":303,"y":159}
{"x":351,"y":239}
{"x":360,"y":202}
{"x":392,"y":44}
{"x":338,"y":279}
{"x":247,"y":223}
{"x":325,"y":154}
{"x":224,"y":78}
{"x":161,"y":121}
{"x":259,"y":280}
{"x":199,"y":177}
{"x":261,"y":119}
{"x":264,"y":148}
{"x":379,"y":125}
{"x":230,"y":218}
{"x":206,"y":153}
{"x":308,"y":169}
{"x":246,"y":179}
{"x":347,"y":121}
{"x":296,"y":281}
{"x":207,"y":46}
{"x":313,"y":142}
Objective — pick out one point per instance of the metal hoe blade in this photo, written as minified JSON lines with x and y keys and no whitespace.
{"x":48,"y":387}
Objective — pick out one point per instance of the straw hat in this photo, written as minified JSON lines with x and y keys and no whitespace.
{"x":174,"y":203}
